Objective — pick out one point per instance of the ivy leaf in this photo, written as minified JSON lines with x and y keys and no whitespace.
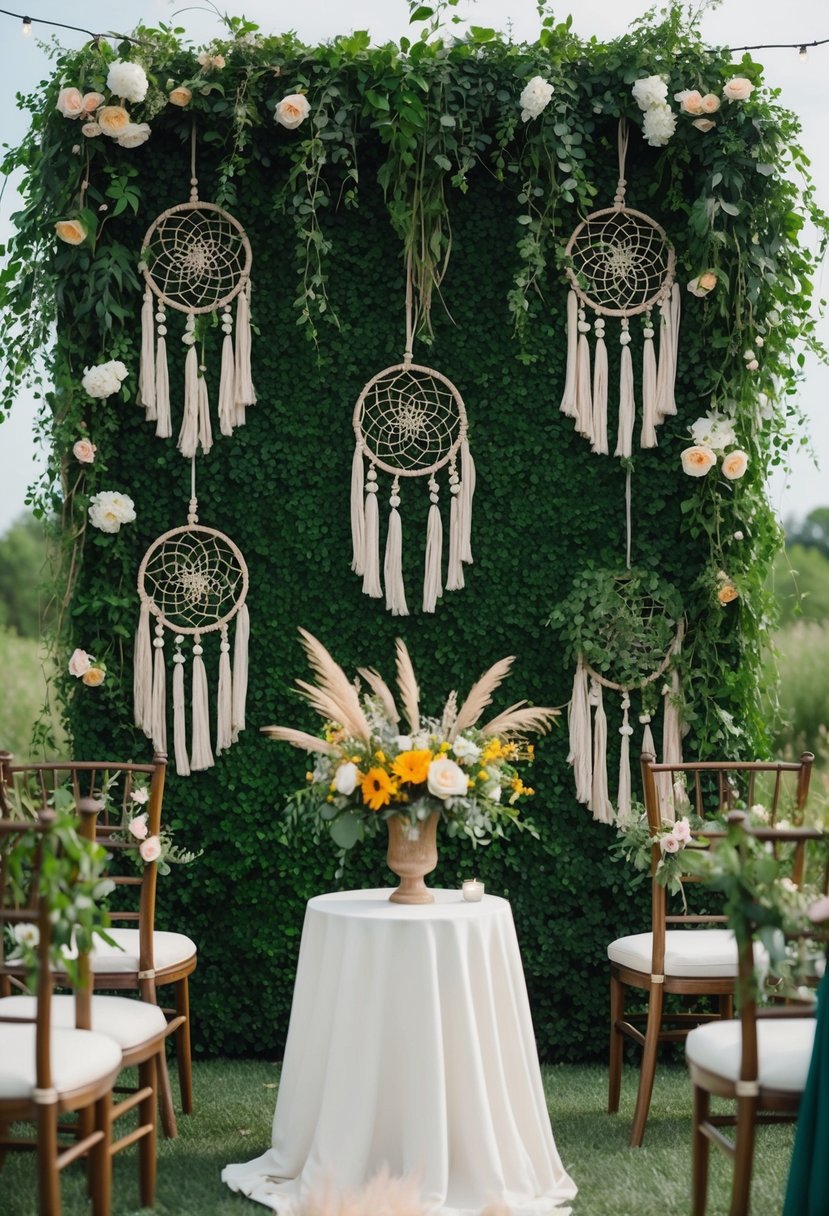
{"x":421,"y":13}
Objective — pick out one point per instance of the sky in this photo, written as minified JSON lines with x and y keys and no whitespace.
{"x":733,"y":23}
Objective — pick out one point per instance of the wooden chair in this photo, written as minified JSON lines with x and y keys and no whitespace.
{"x":681,"y":953}
{"x":46,"y":1072}
{"x":760,"y":1061}
{"x":144,"y":958}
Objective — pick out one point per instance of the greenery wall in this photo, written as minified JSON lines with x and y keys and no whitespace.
{"x":545,"y":509}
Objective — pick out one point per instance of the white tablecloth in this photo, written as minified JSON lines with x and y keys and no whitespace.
{"x":410,"y":1046}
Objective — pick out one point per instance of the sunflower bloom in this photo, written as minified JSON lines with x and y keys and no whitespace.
{"x":413,"y":766}
{"x":378,"y":788}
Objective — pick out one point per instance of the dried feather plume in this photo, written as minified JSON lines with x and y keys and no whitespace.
{"x":406,"y":682}
{"x":480,"y":695}
{"x":333,"y":696}
{"x":520,"y":718}
{"x":298,"y":738}
{"x":381,"y":689}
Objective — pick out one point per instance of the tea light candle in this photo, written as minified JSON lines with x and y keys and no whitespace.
{"x":473,"y":891}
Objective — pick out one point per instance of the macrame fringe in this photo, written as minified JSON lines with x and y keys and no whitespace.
{"x":201,"y":756}
{"x":142,"y":681}
{"x":454,"y":569}
{"x":393,"y":564}
{"x":432,"y":585}
{"x":627,"y":401}
{"x":224,"y":697}
{"x":164,"y":423}
{"x":358,"y":519}
{"x":623,"y":801}
{"x":179,"y":722}
{"x":146,"y":367}
{"x":205,"y":429}
{"x":578,"y":717}
{"x":648,"y":745}
{"x":650,"y":414}
{"x":188,"y":439}
{"x":668,"y":351}
{"x":468,"y":477}
{"x":671,"y":795}
{"x":245,"y":393}
{"x":568,"y":400}
{"x":599,"y":419}
{"x":584,"y":393}
{"x":227,"y":387}
{"x":371,"y":545}
{"x":240,"y":673}
{"x":158,"y":718}
{"x":600,"y":803}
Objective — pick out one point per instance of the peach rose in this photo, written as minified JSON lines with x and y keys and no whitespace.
{"x":690,"y":101}
{"x":703,"y":124}
{"x":727,"y":592}
{"x":71,"y":231}
{"x":113,"y":120}
{"x":84,"y":451}
{"x":79,"y":663}
{"x":94,"y":677}
{"x":70,"y":103}
{"x":734,"y":465}
{"x":180,"y":96}
{"x":91,"y":129}
{"x":698,"y":460}
{"x":292,"y":110}
{"x":738,"y":88}
{"x":710,"y":103}
{"x":91,"y":101}
{"x":150,"y":849}
{"x":703,"y":283}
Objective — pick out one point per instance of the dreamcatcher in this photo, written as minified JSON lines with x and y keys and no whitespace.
{"x":193,"y":581}
{"x":196,"y":259}
{"x":638,"y":637}
{"x":621,"y":264}
{"x":410,"y":421}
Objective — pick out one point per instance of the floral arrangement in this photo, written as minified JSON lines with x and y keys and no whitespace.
{"x":713,"y":435}
{"x":651,"y":95}
{"x":105,"y":379}
{"x":86,"y":668}
{"x":127,"y":82}
{"x":371,"y":762}
{"x":109,"y":509}
{"x":135,"y":833}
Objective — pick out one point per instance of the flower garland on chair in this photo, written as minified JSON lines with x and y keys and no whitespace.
{"x":196,"y":259}
{"x":194,"y":581}
{"x":410,"y":421}
{"x":621,"y":264}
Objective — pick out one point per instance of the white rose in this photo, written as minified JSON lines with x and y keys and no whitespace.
{"x":535,"y":98}
{"x":734,"y":465}
{"x":650,"y":91}
{"x":715,"y":432}
{"x":446,"y":779}
{"x":109,"y":510}
{"x":134,"y":135}
{"x":465,"y":749}
{"x":79,"y":662}
{"x":659,"y":125}
{"x":127,"y":80}
{"x":70,"y":103}
{"x":104,"y":379}
{"x":403,"y":743}
{"x":91,"y":129}
{"x":117,"y":368}
{"x":345,"y":778}
{"x":27,"y":935}
{"x":493,"y":792}
{"x":140,"y":796}
{"x":292,"y":110}
{"x":738,"y":89}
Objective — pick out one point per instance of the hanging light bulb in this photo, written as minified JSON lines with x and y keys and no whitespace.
{"x":803,"y":54}
{"x":26,"y":28}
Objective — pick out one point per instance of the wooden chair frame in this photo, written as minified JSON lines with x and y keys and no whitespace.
{"x":661,"y":1026}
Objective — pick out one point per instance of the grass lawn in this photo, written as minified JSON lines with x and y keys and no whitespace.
{"x":234,"y":1110}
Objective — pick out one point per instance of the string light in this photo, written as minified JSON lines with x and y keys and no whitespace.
{"x":803,"y":54}
{"x":800,"y":47}
{"x":26,"y":28}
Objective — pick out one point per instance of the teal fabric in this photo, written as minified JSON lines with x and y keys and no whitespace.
{"x":807,"y":1193}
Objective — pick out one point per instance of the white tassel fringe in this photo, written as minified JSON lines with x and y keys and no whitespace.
{"x":623,"y":800}
{"x":393,"y":565}
{"x":650,"y":414}
{"x":205,"y":429}
{"x":627,"y":404}
{"x":164,"y":424}
{"x":568,"y":400}
{"x":224,"y":697}
{"x":241,"y":644}
{"x":142,"y":680}
{"x":432,"y":584}
{"x":584,"y":393}
{"x":227,"y":388}
{"x":600,"y":803}
{"x":454,"y":570}
{"x":158,"y":719}
{"x":668,"y":351}
{"x":245,"y":393}
{"x":599,"y":419}
{"x":201,"y":756}
{"x":188,"y":439}
{"x":468,"y":477}
{"x":371,"y":545}
{"x":578,"y":717}
{"x":179,"y":722}
{"x":146,"y":368}
{"x":358,"y":519}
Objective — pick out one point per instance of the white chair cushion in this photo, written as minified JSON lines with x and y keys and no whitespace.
{"x":169,"y":949}
{"x":784,"y":1050}
{"x":79,"y":1057}
{"x":129,"y":1022}
{"x":689,"y":953}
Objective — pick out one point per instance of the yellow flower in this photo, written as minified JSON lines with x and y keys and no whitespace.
{"x":309,"y":776}
{"x":378,"y":788}
{"x":494,"y":750}
{"x":381,"y":756}
{"x":444,"y":747}
{"x":413,"y":766}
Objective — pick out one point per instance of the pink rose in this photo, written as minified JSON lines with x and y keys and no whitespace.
{"x":139,"y":829}
{"x":70,"y":103}
{"x":819,"y":910}
{"x":681,"y":831}
{"x":690,"y":101}
{"x":79,"y":663}
{"x":669,"y":844}
{"x":91,"y":102}
{"x":84,"y":451}
{"x":710,"y":103}
{"x":738,"y":88}
{"x":150,"y":849}
{"x":703,"y":124}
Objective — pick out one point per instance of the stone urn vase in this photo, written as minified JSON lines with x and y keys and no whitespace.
{"x":411,"y":858}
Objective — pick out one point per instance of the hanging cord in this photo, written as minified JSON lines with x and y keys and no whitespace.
{"x":622,"y":150}
{"x":193,"y":507}
{"x":411,"y":311}
{"x":194,"y":181}
{"x":628,"y":497}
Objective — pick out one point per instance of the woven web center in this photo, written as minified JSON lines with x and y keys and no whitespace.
{"x":197,"y":586}
{"x":412,"y":419}
{"x":621,"y":260}
{"x":199,"y":257}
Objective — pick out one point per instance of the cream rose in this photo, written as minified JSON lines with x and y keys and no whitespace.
{"x":710,"y":103}
{"x":698,"y":460}
{"x":703,"y":124}
{"x":134,"y":135}
{"x":94,"y":677}
{"x":690,"y":101}
{"x":734,"y":465}
{"x":138,"y":827}
{"x":346,"y":778}
{"x":91,"y":129}
{"x":142,"y":797}
{"x":84,"y":451}
{"x":79,"y":663}
{"x":91,"y":101}
{"x":113,"y":120}
{"x":180,"y":96}
{"x":292,"y":110}
{"x":70,"y":103}
{"x":738,"y":88}
{"x":150,"y":849}
{"x":71,"y":231}
{"x":446,"y":779}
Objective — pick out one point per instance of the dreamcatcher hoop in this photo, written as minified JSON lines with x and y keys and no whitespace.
{"x":193,"y":581}
{"x":410,"y":421}
{"x":614,"y":250}
{"x":196,"y":259}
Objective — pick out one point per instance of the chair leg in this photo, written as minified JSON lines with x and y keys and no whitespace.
{"x":147,"y":1145}
{"x":183,"y":1054}
{"x":165,"y":1099}
{"x":47,"y":1161}
{"x":726,"y":1005}
{"x":647,"y":1070}
{"x":101,"y":1158}
{"x":617,"y":1012}
{"x":743,"y":1157}
{"x":701,"y":1146}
